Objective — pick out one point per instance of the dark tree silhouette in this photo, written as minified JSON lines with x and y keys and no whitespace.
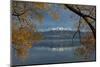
{"x":84,"y":16}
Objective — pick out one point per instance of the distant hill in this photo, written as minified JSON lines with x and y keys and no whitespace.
{"x":58,"y":34}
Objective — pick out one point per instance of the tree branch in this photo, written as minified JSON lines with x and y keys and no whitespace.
{"x":78,"y":13}
{"x":78,"y":31}
{"x":84,"y":17}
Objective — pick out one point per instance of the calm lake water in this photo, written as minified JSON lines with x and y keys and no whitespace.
{"x":52,"y":51}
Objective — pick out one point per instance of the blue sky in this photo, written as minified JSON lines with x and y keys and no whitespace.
{"x":67,"y":19}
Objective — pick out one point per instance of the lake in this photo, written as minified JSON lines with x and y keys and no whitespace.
{"x":52,"y":51}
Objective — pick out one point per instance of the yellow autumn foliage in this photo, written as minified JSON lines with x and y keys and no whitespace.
{"x":55,"y":16}
{"x":41,"y":6}
{"x":23,"y":38}
{"x":22,"y":53}
{"x":89,"y":46}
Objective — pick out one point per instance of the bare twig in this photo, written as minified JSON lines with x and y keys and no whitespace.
{"x":78,"y":31}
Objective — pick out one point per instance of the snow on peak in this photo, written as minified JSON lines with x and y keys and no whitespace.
{"x":55,"y":29}
{"x":59,"y":28}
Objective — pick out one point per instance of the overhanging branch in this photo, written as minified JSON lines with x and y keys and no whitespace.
{"x":84,"y":17}
{"x":79,"y":13}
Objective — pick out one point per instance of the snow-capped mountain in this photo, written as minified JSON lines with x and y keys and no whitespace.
{"x":55,"y":29}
